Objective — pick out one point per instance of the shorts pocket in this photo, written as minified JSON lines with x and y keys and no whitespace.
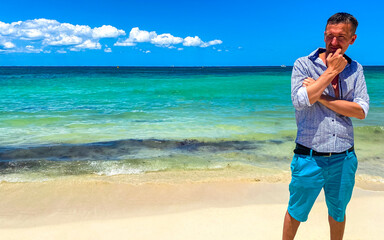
{"x":351,"y":161}
{"x":294,"y":162}
{"x":306,"y":167}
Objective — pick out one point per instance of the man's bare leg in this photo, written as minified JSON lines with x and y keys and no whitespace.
{"x":290,"y":227}
{"x":337,"y":228}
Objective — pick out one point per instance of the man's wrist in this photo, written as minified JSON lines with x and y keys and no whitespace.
{"x":331,"y":73}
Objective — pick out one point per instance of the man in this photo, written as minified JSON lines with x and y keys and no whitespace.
{"x":327,"y":89}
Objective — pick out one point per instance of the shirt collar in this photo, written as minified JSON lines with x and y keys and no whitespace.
{"x":315,"y":54}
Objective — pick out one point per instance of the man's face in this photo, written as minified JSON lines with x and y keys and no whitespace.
{"x":338,"y":36}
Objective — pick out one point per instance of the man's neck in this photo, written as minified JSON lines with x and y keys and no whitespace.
{"x":323,"y":57}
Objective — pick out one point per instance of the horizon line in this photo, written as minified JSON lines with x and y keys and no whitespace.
{"x":168,"y":66}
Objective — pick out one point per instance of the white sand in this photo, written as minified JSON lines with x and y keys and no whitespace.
{"x":237,"y":210}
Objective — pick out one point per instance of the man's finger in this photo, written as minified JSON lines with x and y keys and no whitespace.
{"x":338,"y":51}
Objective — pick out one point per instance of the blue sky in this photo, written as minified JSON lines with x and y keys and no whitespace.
{"x":179,"y":33}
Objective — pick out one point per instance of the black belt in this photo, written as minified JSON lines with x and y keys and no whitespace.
{"x":302,"y":150}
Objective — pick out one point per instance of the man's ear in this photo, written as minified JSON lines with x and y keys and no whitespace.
{"x":353,"y":39}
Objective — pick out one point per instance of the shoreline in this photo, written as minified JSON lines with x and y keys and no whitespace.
{"x":211,"y":208}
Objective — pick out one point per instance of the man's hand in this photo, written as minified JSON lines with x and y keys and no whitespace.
{"x":336,"y":61}
{"x":308,"y":81}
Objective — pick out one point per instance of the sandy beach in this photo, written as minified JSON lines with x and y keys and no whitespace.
{"x":111,"y":208}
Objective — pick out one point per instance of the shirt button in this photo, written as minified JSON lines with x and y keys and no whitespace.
{"x":333,"y":134}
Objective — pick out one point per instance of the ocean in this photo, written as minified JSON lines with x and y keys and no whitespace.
{"x":60,"y":122}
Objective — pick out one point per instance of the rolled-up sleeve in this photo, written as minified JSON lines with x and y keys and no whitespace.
{"x":299,"y":94}
{"x":361,"y":96}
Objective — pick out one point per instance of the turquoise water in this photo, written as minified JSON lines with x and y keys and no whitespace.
{"x":57,"y":121}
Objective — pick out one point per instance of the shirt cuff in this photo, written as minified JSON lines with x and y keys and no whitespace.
{"x":303,"y":96}
{"x":363,"y":104}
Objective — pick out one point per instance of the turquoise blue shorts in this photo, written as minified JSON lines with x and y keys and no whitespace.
{"x":310,"y":174}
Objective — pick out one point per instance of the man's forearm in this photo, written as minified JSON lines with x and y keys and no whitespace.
{"x":316,"y":89}
{"x":343,"y":107}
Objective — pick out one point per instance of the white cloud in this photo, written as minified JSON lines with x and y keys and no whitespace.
{"x":8,"y":45}
{"x":215,"y":42}
{"x":165,"y":40}
{"x":88,"y":44}
{"x":125,"y":43}
{"x":63,"y":40}
{"x":36,"y":23}
{"x":210,"y":43}
{"x":5,"y":28}
{"x":137,"y":35}
{"x":31,"y":34}
{"x":47,"y":35}
{"x":107,"y":31}
{"x":192,"y":41}
{"x":144,"y":51}
{"x":32,"y":49}
{"x":197,"y":42}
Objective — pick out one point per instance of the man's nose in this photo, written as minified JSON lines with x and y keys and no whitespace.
{"x":334,"y":41}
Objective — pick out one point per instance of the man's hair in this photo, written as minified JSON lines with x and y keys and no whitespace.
{"x":343,"y":17}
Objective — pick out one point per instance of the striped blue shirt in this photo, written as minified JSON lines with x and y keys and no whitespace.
{"x":318,"y":127}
